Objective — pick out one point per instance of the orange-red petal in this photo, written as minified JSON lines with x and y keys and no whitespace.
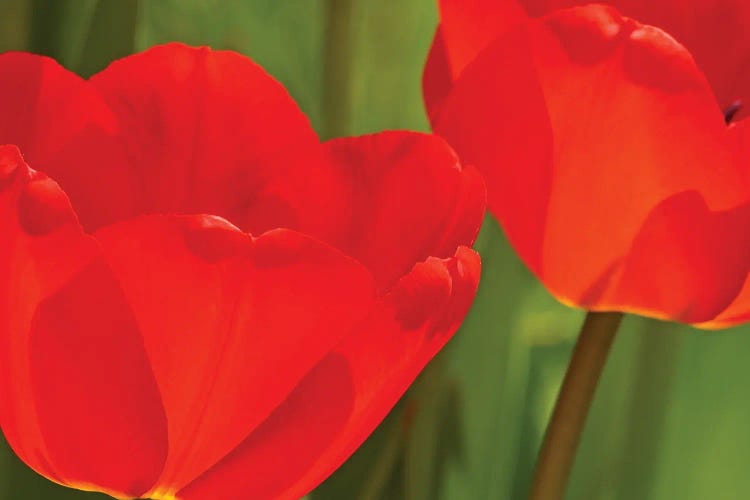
{"x":695,"y":261}
{"x":713,"y":31}
{"x":630,"y":122}
{"x":738,"y":311}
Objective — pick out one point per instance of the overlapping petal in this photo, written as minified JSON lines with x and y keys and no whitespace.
{"x":171,"y":130}
{"x":713,"y":31}
{"x":80,"y":403}
{"x":53,"y":116}
{"x":203,"y":130}
{"x":369,"y":371}
{"x":410,"y":199}
{"x":217,"y":349}
{"x":262,"y":313}
{"x":582,"y":130}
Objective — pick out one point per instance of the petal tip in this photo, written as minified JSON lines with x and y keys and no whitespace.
{"x":10,"y":161}
{"x":43,"y":206}
{"x":588,"y":33}
{"x":213,"y":238}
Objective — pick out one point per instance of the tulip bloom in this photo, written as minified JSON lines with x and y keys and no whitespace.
{"x":613,"y":141}
{"x":198,"y":299}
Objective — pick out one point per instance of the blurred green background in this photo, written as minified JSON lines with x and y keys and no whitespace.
{"x":672,"y":415}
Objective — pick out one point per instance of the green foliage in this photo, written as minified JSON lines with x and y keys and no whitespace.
{"x":670,"y":418}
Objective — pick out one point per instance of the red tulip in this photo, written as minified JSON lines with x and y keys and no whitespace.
{"x":150,"y":349}
{"x":613,"y":147}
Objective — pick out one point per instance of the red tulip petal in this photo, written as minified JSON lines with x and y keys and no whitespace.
{"x":437,"y":79}
{"x":713,"y":31}
{"x":80,"y":403}
{"x":66,"y":130}
{"x":409,"y":197}
{"x":469,"y":26}
{"x":695,"y":260}
{"x":231,"y":324}
{"x":738,"y":311}
{"x":97,"y":402}
{"x":500,"y":124}
{"x":205,"y":130}
{"x":347,"y":395}
{"x":633,"y":122}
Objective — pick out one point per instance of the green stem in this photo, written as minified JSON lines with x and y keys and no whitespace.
{"x":563,"y":434}
{"x":337,"y":68}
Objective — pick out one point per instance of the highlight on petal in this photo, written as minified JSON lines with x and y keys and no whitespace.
{"x":241,"y":320}
{"x":631,"y":122}
{"x":356,"y":385}
{"x":80,"y":403}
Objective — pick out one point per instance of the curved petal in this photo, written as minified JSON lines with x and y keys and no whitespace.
{"x":738,"y":311}
{"x":632,"y":123}
{"x":713,"y":31}
{"x":695,"y":259}
{"x":347,"y":395}
{"x":437,"y":78}
{"x":79,"y":400}
{"x":66,"y":130}
{"x":409,"y":198}
{"x":230,"y":323}
{"x":171,"y":130}
{"x":500,"y":124}
{"x":204,"y":130}
{"x":468,"y":26}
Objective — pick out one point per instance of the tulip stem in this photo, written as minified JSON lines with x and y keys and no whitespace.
{"x":564,"y":431}
{"x":337,"y":68}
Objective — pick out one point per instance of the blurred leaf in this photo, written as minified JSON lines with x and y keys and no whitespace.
{"x":705,"y":438}
{"x":59,"y":28}
{"x":390,"y":46}
{"x":285,"y":37}
{"x":434,"y":436}
{"x":489,"y":360}
{"x":371,"y":473}
{"x":14,"y":24}
{"x":111,"y":35}
{"x":659,"y":348}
